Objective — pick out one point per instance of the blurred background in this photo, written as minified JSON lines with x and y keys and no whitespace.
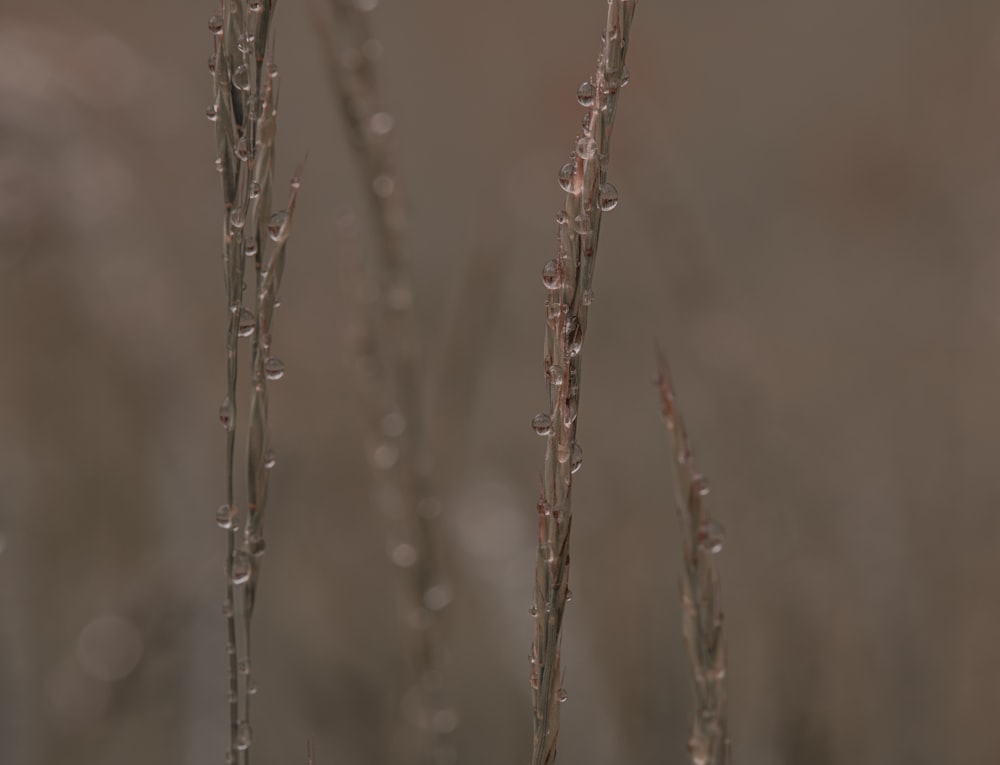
{"x":808,"y":224}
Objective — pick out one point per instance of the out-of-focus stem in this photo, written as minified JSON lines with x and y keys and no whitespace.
{"x":701,"y":596}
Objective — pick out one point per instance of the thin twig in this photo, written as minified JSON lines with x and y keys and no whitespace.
{"x":244,"y":112}
{"x":701,"y":596}
{"x":387,"y":357}
{"x":569,"y":277}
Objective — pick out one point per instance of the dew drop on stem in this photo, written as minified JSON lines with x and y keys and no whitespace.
{"x":243,"y":736}
{"x":576,"y":459}
{"x":274,"y":368}
{"x":215,"y":25}
{"x":541,"y":423}
{"x":241,"y":77}
{"x":585,"y":94}
{"x":552,"y":276}
{"x":565,"y":176}
{"x":276,"y":225}
{"x":241,"y":567}
{"x":226,"y":413}
{"x":607,"y":197}
{"x":586,"y":147}
{"x":225,"y":516}
{"x":711,"y":537}
{"x":212,"y":113}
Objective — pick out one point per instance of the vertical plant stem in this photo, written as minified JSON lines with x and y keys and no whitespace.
{"x":244,"y":112}
{"x":701,"y":596}
{"x":387,"y":356}
{"x":569,"y":278}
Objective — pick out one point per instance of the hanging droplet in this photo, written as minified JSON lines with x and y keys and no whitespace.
{"x":243,"y":667}
{"x":700,"y":485}
{"x":380,"y":123}
{"x":211,"y":64}
{"x":276,"y":225}
{"x":241,"y":567}
{"x":533,"y":611}
{"x":250,"y":248}
{"x":566,"y":176}
{"x":254,"y":190}
{"x":588,"y":297}
{"x":236,"y":219}
{"x":252,"y":689}
{"x":403,"y":554}
{"x":625,"y":76}
{"x":243,"y":735}
{"x":245,"y":45}
{"x":241,"y":77}
{"x":270,"y":459}
{"x":555,"y":374}
{"x":225,"y":516}
{"x":552,"y":276}
{"x":581,"y":224}
{"x":541,"y":423}
{"x":215,"y":25}
{"x":569,"y":595}
{"x":585,"y":94}
{"x":383,"y":185}
{"x":255,"y":6}
{"x":576,"y":459}
{"x":226,"y":413}
{"x":711,"y":537}
{"x":212,"y":113}
{"x":274,"y":368}
{"x":561,"y":218}
{"x":219,"y":165}
{"x":586,"y":147}
{"x":241,"y":151}
{"x":569,"y":412}
{"x":562,"y":695}
{"x":607,"y":197}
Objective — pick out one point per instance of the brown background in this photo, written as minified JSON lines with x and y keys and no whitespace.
{"x":809,"y":224}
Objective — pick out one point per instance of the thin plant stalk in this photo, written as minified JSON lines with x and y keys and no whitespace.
{"x":701,"y":595}
{"x":244,"y":111}
{"x":387,"y":357}
{"x":569,"y":279}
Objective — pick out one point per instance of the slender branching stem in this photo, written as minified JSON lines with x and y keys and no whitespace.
{"x":701,"y":596}
{"x":568,"y":278}
{"x":244,"y":112}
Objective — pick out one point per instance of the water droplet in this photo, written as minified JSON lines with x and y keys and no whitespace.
{"x":241,"y":567}
{"x":585,"y":94}
{"x":385,"y":456}
{"x":241,"y":76}
{"x":570,"y":412}
{"x":228,"y":758}
{"x":255,"y":6}
{"x":566,"y":177}
{"x":552,"y":276}
{"x":533,"y":611}
{"x":227,"y":609}
{"x":236,"y":219}
{"x":383,"y":186}
{"x":225,"y":516}
{"x":256,"y":546}
{"x":576,"y":459}
{"x":212,"y":113}
{"x":241,"y":151}
{"x":569,"y":595}
{"x":588,"y":297}
{"x":211,"y":64}
{"x":295,"y":183}
{"x":252,"y":689}
{"x":248,"y":323}
{"x":227,"y":413}
{"x":542,"y":424}
{"x":215,"y":25}
{"x":276,"y":225}
{"x":254,"y":190}
{"x":554,"y":309}
{"x":711,"y":537}
{"x":219,"y":166}
{"x":586,"y":147}
{"x":245,"y":45}
{"x":561,"y":218}
{"x":555,"y":374}
{"x":243,"y":736}
{"x":403,"y":554}
{"x":581,"y":224}
{"x":243,"y":666}
{"x":274,"y":368}
{"x":270,"y":460}
{"x":438,"y":596}
{"x":533,"y":681}
{"x":380,"y":123}
{"x":562,"y":695}
{"x":625,"y":76}
{"x":393,"y":425}
{"x":700,"y":485}
{"x":272,"y":70}
{"x":250,"y":248}
{"x":607,"y":197}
